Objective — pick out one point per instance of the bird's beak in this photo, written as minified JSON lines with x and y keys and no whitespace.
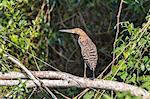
{"x":67,"y":30}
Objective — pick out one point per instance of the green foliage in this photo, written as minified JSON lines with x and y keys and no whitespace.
{"x":125,"y":95}
{"x":136,"y":6}
{"x":145,"y":81}
{"x":18,"y":92}
{"x":15,"y":26}
{"x":132,"y":49}
{"x":89,"y":95}
{"x":132,"y":52}
{"x":19,"y":35}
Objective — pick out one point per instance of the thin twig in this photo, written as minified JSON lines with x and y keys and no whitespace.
{"x":83,"y":22}
{"x":117,"y":27}
{"x":82,"y":93}
{"x":50,"y":92}
{"x":69,"y":59}
{"x":61,"y":55}
{"x":47,"y":49}
{"x":42,"y":7}
{"x":61,"y":94}
{"x":62,"y":21}
{"x":34,"y":89}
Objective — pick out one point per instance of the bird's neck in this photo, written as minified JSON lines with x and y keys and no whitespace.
{"x":83,"y":38}
{"x":80,"y":32}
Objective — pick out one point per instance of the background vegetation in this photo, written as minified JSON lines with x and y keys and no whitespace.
{"x":29,"y":28}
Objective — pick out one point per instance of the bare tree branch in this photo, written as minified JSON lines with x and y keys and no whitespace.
{"x":68,"y":80}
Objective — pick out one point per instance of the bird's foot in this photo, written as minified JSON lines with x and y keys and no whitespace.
{"x":92,"y":78}
{"x":85,"y":77}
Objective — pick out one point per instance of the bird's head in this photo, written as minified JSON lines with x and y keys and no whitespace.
{"x":74,"y":31}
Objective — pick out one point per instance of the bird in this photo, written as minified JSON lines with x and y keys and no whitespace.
{"x":88,"y":49}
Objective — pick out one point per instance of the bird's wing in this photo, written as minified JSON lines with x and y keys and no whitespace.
{"x":89,"y":53}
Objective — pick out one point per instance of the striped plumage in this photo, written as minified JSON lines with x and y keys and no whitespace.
{"x":88,"y":51}
{"x":88,"y":48}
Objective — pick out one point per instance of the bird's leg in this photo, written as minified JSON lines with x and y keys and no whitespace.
{"x":93,"y":74}
{"x":85,"y":70}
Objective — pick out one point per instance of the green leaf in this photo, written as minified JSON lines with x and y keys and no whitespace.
{"x":14,"y":38}
{"x":146,"y":59}
{"x":114,"y":69}
{"x":125,"y":54}
{"x":133,"y":79}
{"x":146,"y":85}
{"x":88,"y":95}
{"x":142,"y":67}
{"x":124,"y":75}
{"x":121,"y":62}
{"x":123,"y":67}
{"x":4,"y":3}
